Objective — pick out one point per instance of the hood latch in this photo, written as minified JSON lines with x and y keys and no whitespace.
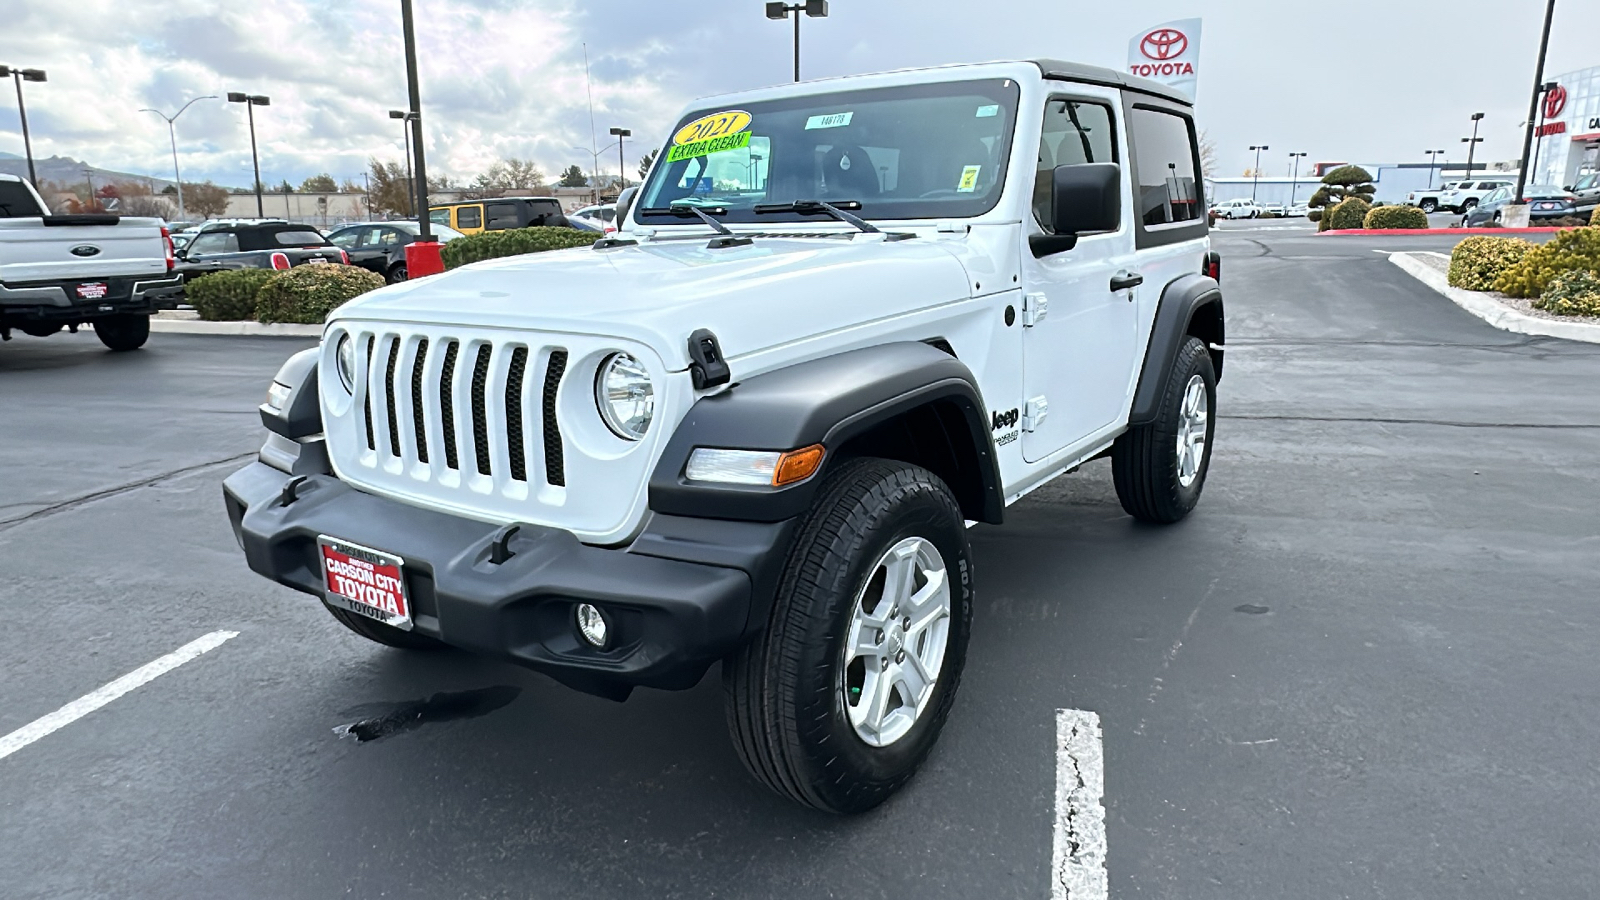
{"x":707,"y":367}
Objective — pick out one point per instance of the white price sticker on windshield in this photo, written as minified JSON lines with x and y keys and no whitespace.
{"x":832,"y":120}
{"x":985,"y":112}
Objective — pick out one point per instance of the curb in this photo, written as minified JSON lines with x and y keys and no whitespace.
{"x":1543,"y":229}
{"x":235,"y":329}
{"x":1490,"y":310}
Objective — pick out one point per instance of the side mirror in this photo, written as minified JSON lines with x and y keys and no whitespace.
{"x":625,"y":203}
{"x":1084,"y":198}
{"x":1567,"y":187}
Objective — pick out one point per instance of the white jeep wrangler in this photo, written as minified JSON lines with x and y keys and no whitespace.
{"x":842,"y":321}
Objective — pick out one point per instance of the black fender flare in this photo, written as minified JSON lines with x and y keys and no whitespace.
{"x":1182,"y":300}
{"x":825,"y":401}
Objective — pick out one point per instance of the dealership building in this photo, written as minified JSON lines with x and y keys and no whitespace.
{"x":1569,"y":129}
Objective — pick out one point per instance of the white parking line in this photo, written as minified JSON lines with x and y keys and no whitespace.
{"x":1078,"y":854}
{"x":92,"y":701}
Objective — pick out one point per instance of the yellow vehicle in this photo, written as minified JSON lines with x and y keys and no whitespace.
{"x":475,"y":216}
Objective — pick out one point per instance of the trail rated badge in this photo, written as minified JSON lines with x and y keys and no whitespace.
{"x":711,"y":134}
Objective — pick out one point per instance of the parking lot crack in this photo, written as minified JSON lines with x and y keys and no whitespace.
{"x":85,"y":499}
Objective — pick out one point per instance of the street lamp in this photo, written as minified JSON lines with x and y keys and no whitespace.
{"x":1294,"y":180}
{"x":406,"y":119}
{"x":19,"y":76}
{"x":1433,"y":158}
{"x":622,"y":165}
{"x":816,"y":9}
{"x":172,"y":134}
{"x":1473,"y":142}
{"x":1538,"y":85}
{"x":251,"y":101}
{"x":1257,"y":170}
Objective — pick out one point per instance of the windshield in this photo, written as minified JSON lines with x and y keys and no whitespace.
{"x":920,"y":151}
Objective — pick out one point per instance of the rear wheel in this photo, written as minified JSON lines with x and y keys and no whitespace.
{"x":1468,"y":205}
{"x":388,"y":635}
{"x":1428,"y":206}
{"x":397,"y":273}
{"x":1159,"y":469}
{"x":122,"y":333}
{"x":840,"y":699}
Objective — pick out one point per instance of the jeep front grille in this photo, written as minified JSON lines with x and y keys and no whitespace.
{"x":410,"y":405}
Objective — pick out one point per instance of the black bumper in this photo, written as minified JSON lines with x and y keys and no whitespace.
{"x":58,"y":301}
{"x":686,"y":593}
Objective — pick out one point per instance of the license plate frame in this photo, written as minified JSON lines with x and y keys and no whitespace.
{"x":93,"y":290}
{"x":365,"y":581}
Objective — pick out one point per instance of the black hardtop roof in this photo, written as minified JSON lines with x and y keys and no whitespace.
{"x":1060,"y":70}
{"x":260,"y":226}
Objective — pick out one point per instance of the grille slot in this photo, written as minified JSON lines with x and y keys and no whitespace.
{"x":418,"y":421}
{"x":480,"y":410}
{"x":514,"y":446}
{"x":388,"y":384}
{"x":447,"y":404}
{"x":555,"y":471}
{"x":366,"y":374}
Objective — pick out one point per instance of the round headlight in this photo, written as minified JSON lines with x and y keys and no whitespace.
{"x":345,"y":357}
{"x":625,"y":397}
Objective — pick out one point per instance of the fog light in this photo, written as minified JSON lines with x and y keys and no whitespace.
{"x":592,"y":624}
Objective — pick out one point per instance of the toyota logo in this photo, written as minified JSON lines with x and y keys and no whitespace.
{"x":85,"y":250}
{"x":1555,"y":100}
{"x":1164,"y":43}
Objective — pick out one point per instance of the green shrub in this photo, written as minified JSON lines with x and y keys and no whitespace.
{"x":1572,"y":293}
{"x":228,"y":296}
{"x":1349,"y":214}
{"x":306,"y":294}
{"x":1395,"y":217}
{"x":1576,"y":248}
{"x":1477,"y":261}
{"x":1314,"y":215}
{"x":512,"y":242}
{"x":1594,"y":217}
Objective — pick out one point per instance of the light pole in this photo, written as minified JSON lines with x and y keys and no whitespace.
{"x":405,"y":134}
{"x":1433,"y":159}
{"x":1533,"y":102}
{"x":1544,"y":116}
{"x":251,"y":101}
{"x":622,"y":165}
{"x":1473,"y":142}
{"x":1294,"y":180}
{"x":816,"y":9}
{"x":19,"y":76}
{"x":1257,"y":171}
{"x":172,"y":134}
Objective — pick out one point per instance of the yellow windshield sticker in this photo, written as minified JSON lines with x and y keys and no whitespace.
{"x":715,"y":125}
{"x":969,"y":179}
{"x":706,"y":148}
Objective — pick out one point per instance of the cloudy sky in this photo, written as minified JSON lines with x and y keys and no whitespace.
{"x":1362,"y":80}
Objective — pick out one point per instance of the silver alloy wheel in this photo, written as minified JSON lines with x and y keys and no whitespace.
{"x":894,"y":651}
{"x":1192,"y":419}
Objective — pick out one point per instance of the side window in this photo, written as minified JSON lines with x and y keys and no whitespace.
{"x":386,"y":237}
{"x":346,"y":239}
{"x":1075,"y":131}
{"x":214,"y":242}
{"x":1164,"y":155}
{"x":500,"y":215}
{"x":469,"y":217}
{"x":439,"y":217}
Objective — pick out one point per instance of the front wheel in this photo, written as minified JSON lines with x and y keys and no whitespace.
{"x":124,"y":332}
{"x":840,"y":699}
{"x":1160,"y":468}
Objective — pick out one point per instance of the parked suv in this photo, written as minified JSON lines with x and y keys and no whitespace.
{"x":1464,"y":196}
{"x":1587,"y":192}
{"x":754,"y":427}
{"x":1427,"y":199}
{"x":1236,"y":209}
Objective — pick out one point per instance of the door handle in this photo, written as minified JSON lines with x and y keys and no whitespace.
{"x":1124,"y":280}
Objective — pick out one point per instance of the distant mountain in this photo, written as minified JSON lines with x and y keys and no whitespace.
{"x":67,"y":171}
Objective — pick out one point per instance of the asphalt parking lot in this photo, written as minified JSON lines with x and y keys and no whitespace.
{"x":1364,"y":667}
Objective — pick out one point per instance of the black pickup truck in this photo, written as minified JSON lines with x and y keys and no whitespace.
{"x":269,"y":245}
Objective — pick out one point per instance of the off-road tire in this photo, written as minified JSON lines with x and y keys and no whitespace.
{"x":1144,"y":460}
{"x":387,"y":635}
{"x":123,"y":332}
{"x":784,"y":691}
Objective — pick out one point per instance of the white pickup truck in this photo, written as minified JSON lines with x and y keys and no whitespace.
{"x":65,"y":271}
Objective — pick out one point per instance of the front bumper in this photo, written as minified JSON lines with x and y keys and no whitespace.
{"x":684,"y":594}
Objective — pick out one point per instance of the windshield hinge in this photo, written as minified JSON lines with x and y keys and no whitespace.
{"x":951,"y":226}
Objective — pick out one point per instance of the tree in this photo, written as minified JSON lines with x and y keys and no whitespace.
{"x":147,"y":205}
{"x":645,"y":162}
{"x":205,"y":198}
{"x":319,"y":184}
{"x":390,"y":189}
{"x":573,"y":176}
{"x":505,"y":175}
{"x":170,"y":190}
{"x":1342,"y":184}
{"x":1208,"y":155}
{"x":284,"y":188}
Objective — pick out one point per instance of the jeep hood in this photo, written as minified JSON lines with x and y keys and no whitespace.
{"x":772,"y":292}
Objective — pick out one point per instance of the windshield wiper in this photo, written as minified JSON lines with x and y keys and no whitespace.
{"x":813,"y":207}
{"x":727,"y":236}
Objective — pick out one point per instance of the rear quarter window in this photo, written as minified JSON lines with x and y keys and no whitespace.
{"x":1164,"y":155}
